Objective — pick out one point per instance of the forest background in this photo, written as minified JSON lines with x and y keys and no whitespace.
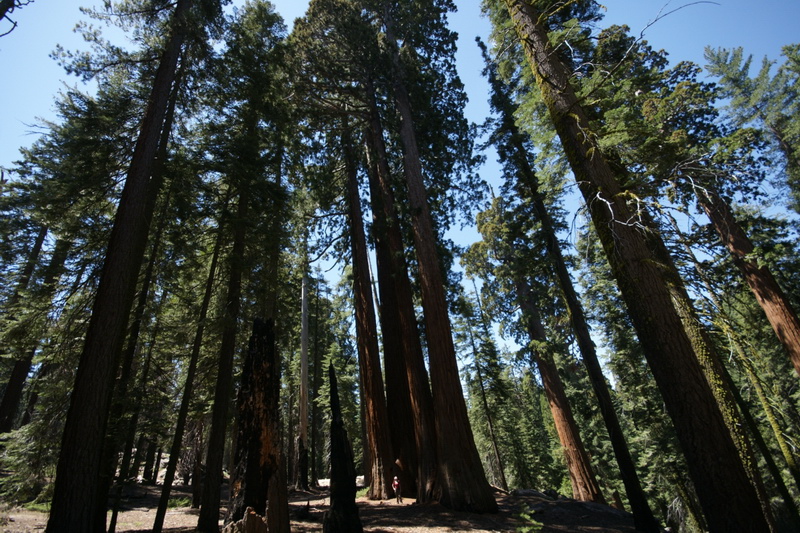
{"x":468,"y":23}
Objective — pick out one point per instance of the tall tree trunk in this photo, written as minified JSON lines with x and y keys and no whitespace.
{"x":208,"y":520}
{"x":116,"y":437}
{"x":710,"y":362}
{"x":377,"y":423}
{"x":462,"y":483}
{"x":782,"y":317}
{"x":528,"y":187}
{"x":393,"y":278}
{"x":643,"y":517}
{"x":188,"y":387}
{"x":9,"y":407}
{"x":78,"y":492}
{"x":257,"y":456}
{"x":728,"y":499}
{"x":584,"y":482}
{"x":19,"y":373}
{"x":736,"y":342}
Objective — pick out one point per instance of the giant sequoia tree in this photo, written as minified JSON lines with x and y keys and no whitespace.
{"x":462,"y":483}
{"x":514,"y":150}
{"x":345,"y":78}
{"x":699,"y":423}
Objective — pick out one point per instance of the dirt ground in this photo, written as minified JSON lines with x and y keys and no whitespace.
{"x":307,"y":510}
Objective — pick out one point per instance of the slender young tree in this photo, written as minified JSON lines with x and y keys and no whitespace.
{"x":301,"y":464}
{"x":503,"y":239}
{"x":12,"y":396}
{"x":188,"y":387}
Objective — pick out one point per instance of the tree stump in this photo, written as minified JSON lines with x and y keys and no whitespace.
{"x":252,"y":522}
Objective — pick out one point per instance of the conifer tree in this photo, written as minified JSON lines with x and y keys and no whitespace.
{"x":513,"y":149}
{"x":704,"y":439}
{"x":462,"y":483}
{"x":78,"y":499}
{"x":767,"y":101}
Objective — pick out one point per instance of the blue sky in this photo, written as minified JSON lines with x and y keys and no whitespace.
{"x":31,"y":79}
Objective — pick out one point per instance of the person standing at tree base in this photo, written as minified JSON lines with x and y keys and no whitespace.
{"x":397,"y":492}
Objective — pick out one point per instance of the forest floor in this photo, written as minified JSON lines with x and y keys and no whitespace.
{"x":307,"y":510}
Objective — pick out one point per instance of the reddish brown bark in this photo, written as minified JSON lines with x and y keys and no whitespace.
{"x":393,"y":279}
{"x":782,"y":317}
{"x":584,"y":482}
{"x":725,"y":493}
{"x":462,"y":483}
{"x":528,"y":186}
{"x":374,"y":404}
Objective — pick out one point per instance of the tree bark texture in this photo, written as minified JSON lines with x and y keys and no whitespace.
{"x":584,"y":482}
{"x":737,"y":346}
{"x":258,"y":452}
{"x":728,"y":499}
{"x":116,"y":432}
{"x":782,"y":317}
{"x":711,"y":364}
{"x":643,"y":517}
{"x":394,"y":280}
{"x":78,"y":492}
{"x":377,"y":423}
{"x":528,"y":186}
{"x":123,"y":426}
{"x":342,"y":517}
{"x":462,"y":483}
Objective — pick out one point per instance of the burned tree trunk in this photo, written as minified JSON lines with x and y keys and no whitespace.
{"x":257,"y":456}
{"x":343,"y":514}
